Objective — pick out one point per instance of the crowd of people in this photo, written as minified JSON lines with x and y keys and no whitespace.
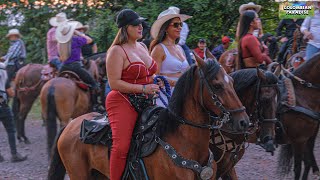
{"x":132,"y":66}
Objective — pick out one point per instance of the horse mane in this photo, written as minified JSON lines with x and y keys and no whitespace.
{"x":307,"y":66}
{"x":183,"y":89}
{"x":244,"y":78}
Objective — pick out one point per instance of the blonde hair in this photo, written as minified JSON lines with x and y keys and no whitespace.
{"x":121,"y":37}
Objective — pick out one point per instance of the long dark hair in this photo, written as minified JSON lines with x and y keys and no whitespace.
{"x":162,"y":35}
{"x":244,"y":25}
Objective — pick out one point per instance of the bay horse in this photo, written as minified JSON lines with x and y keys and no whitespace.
{"x":203,"y":90}
{"x":258,"y":92}
{"x":301,"y":122}
{"x":28,"y":84}
{"x":64,"y":99}
{"x":228,"y":60}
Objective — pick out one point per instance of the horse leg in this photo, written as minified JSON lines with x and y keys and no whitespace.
{"x":24,"y":110}
{"x":310,"y":160}
{"x":231,"y":175}
{"x":298,"y":150}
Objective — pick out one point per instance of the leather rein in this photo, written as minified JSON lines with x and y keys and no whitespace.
{"x":224,"y":118}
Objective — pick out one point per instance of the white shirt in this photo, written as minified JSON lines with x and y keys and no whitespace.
{"x":184,"y":34}
{"x":312,"y":24}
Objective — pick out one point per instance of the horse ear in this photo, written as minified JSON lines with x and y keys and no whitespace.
{"x":261,"y":74}
{"x":199,"y":60}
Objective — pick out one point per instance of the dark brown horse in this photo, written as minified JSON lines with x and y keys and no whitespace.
{"x":258,"y":92}
{"x":301,"y":122}
{"x":203,"y":90}
{"x":63,"y":98}
{"x":228,"y":60}
{"x":28,"y":83}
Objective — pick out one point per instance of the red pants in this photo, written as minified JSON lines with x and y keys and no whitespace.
{"x":122,"y":117}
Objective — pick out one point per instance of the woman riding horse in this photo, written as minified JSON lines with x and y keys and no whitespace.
{"x":250,"y":52}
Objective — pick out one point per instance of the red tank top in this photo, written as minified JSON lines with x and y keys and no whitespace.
{"x":137,"y":72}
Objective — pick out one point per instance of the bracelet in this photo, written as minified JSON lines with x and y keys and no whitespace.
{"x":143,"y":88}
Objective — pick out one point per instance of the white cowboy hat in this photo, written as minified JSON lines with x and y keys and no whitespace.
{"x":244,"y":7}
{"x":13,"y":32}
{"x":58,"y":19}
{"x":163,"y":17}
{"x":65,"y":31}
{"x":81,"y":26}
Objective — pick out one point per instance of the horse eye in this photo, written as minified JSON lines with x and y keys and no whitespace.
{"x":217,"y":86}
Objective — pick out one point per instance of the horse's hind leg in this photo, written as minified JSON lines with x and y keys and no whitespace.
{"x":309,"y":159}
{"x":25,"y":108}
{"x":231,"y":175}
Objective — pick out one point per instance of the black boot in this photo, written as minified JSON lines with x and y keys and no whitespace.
{"x":18,"y":158}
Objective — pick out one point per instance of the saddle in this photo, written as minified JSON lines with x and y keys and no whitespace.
{"x":47,"y":73}
{"x":75,"y":78}
{"x":143,"y":143}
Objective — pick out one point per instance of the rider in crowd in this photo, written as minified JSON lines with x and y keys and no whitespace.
{"x":130,"y":71}
{"x":219,"y":50}
{"x":52,"y":49}
{"x":202,"y":47}
{"x":254,"y":7}
{"x":70,"y":42}
{"x":88,"y":49}
{"x":170,"y":57}
{"x":311,"y":30}
{"x":291,"y":25}
{"x":6,"y":116}
{"x":251,"y":53}
{"x":183,"y":37}
{"x":16,"y":55}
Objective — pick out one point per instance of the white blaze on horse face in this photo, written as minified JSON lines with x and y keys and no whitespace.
{"x":226,"y":78}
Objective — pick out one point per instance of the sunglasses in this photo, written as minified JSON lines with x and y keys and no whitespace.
{"x":176,"y":24}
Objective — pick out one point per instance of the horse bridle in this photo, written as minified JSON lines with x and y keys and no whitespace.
{"x":258,"y":109}
{"x":226,"y":114}
{"x":302,"y":81}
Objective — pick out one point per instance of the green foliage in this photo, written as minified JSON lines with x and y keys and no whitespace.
{"x":212,"y":19}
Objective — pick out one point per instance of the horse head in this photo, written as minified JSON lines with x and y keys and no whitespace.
{"x":218,"y":98}
{"x":266,"y":107}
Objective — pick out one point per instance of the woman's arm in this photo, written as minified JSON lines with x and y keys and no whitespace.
{"x":253,"y":45}
{"x":158,"y":55}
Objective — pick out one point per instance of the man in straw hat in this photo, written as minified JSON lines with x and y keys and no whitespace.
{"x":52,"y":50}
{"x":6,"y":116}
{"x":16,"y":54}
{"x":88,"y":49}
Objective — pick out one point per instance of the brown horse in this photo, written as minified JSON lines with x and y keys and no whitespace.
{"x":301,"y":122}
{"x":202,"y":91}
{"x":228,"y":60}
{"x":63,"y":98}
{"x":28,"y":83}
{"x":258,"y":92}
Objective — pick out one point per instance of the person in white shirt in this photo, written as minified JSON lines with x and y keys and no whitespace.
{"x":311,"y":30}
{"x":183,"y":38}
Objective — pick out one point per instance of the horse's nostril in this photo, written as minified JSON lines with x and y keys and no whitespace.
{"x":244,"y":124}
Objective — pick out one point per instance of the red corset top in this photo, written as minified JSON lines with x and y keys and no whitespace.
{"x":138,"y":73}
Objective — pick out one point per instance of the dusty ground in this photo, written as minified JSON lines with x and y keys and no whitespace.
{"x":256,"y":165}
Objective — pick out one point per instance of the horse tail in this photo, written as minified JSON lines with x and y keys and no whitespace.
{"x":16,"y":107}
{"x":285,"y":160}
{"x":51,"y":118}
{"x":57,"y":170}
